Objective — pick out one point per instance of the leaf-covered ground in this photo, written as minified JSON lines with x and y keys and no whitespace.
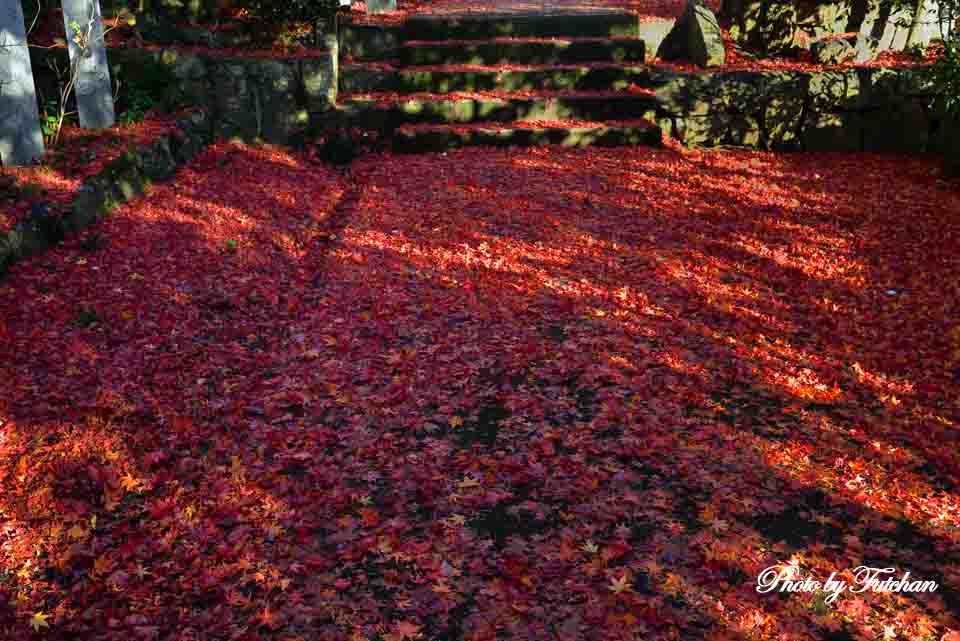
{"x":79,"y":154}
{"x":541,"y":394}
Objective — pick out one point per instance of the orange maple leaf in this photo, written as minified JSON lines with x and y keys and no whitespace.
{"x":38,"y":621}
{"x":267,"y":618}
{"x":101,"y":565}
{"x":673,"y":584}
{"x":129,"y":482}
{"x":618,"y":586}
{"x":407,"y":630}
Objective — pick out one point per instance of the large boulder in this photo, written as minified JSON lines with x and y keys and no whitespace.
{"x":274,"y":98}
{"x":232,"y":92}
{"x":190,"y":72}
{"x":834,"y":51}
{"x":695,"y":37}
{"x":654,"y":32}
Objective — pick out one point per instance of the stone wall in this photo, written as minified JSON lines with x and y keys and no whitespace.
{"x":863,"y":109}
{"x":275,"y":100}
{"x":775,"y":26}
{"x":249,"y":98}
{"x":360,"y":43}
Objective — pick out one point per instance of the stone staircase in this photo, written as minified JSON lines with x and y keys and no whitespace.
{"x":569,"y":78}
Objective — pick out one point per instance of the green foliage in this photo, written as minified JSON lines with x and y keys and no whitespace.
{"x":916,"y":51}
{"x":87,"y":318}
{"x":291,"y":10}
{"x":145,"y":85}
{"x":168,"y":10}
{"x":945,"y":76}
{"x":50,"y":120}
{"x":944,"y":73}
{"x":232,"y":246}
{"x":191,"y":9}
{"x":288,"y":38}
{"x":137,"y":103}
{"x":48,"y":124}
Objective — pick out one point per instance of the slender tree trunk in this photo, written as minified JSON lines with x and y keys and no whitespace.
{"x":858,"y":13}
{"x":915,"y":21}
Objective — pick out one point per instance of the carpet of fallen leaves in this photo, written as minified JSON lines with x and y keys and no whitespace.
{"x":79,"y":154}
{"x":539,"y":394}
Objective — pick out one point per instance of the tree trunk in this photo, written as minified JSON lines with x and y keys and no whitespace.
{"x":883,"y":18}
{"x":915,"y":21}
{"x":858,"y":13}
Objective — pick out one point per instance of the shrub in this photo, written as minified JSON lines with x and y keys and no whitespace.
{"x":137,"y":102}
{"x":310,"y":11}
{"x":945,"y":75}
{"x":86,"y":318}
{"x":143,"y":84}
{"x":319,"y":14}
{"x":49,"y":120}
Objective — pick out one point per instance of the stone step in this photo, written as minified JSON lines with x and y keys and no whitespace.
{"x":369,"y":42}
{"x":421,"y":138}
{"x":366,"y":42}
{"x":389,"y":111}
{"x":591,"y":23}
{"x":521,"y":51}
{"x":363,"y":78}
